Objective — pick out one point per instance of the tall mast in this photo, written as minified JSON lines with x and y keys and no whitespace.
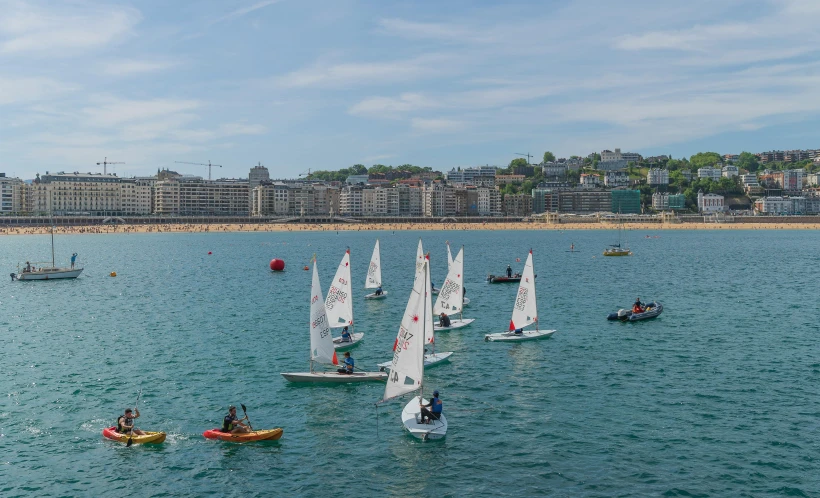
{"x":52,"y":228}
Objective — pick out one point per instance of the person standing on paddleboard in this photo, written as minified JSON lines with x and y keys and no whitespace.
{"x":233,"y":424}
{"x":125,"y":423}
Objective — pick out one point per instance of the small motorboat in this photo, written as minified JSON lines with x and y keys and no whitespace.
{"x":652,"y":310}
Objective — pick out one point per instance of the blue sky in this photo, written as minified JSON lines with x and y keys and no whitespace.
{"x":327,"y":84}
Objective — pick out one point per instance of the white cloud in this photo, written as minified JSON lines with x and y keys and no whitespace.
{"x":436,"y":125}
{"x":244,"y":10}
{"x":117,"y":111}
{"x":55,"y":30}
{"x":388,"y":106}
{"x":128,"y":67}
{"x":17,"y":90}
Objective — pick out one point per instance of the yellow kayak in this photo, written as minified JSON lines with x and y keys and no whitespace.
{"x":149,"y":437}
{"x":265,"y":435}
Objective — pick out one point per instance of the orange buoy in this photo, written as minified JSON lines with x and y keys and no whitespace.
{"x":277,"y":264}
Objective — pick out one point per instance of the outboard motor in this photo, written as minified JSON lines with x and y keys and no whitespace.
{"x":622,"y":313}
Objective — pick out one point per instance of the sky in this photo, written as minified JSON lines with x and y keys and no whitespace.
{"x":302,"y":84}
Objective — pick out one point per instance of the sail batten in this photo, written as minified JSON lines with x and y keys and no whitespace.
{"x":339,"y":302}
{"x":525,"y":310}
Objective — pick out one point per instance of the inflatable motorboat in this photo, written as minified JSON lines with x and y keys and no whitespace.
{"x":652,"y":310}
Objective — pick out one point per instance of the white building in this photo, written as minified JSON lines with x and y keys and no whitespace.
{"x":467,"y":176}
{"x":10,"y":194}
{"x":710,"y":203}
{"x":590,"y":181}
{"x":729,"y":171}
{"x":614,"y":179}
{"x":749,"y":180}
{"x":813,"y":179}
{"x":609,"y":156}
{"x":711,"y":173}
{"x":489,"y":201}
{"x":776,"y":205}
{"x":135,"y":198}
{"x":357,"y":179}
{"x":351,"y":201}
{"x":80,"y":193}
{"x":554,"y":169}
{"x":657,"y":176}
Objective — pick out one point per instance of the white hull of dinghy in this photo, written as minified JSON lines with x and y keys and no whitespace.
{"x":411,"y":417}
{"x":374,"y":296}
{"x":49,"y":274}
{"x":527,"y":335}
{"x":454,"y":324}
{"x":430,"y":360}
{"x":466,"y":301}
{"x":334,"y":377}
{"x":355,"y":339}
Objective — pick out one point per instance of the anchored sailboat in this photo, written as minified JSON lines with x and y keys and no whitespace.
{"x":374,"y":275}
{"x":41,"y":271}
{"x":339,"y":304}
{"x":525,"y":311}
{"x":321,"y":345}
{"x":407,"y":368}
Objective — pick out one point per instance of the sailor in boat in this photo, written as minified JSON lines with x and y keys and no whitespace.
{"x":233,"y":424}
{"x":434,"y":413}
{"x":73,"y":260}
{"x":443,"y":320}
{"x":638,"y":307}
{"x":125,"y":423}
{"x":28,"y":267}
{"x":378,"y":291}
{"x":346,"y":335}
{"x":509,"y":271}
{"x":348,"y":366}
{"x":518,"y":331}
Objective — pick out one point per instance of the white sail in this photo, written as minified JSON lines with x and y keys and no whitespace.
{"x":449,"y":257}
{"x":407,"y":368}
{"x":339,"y":302}
{"x":321,"y":341}
{"x":419,"y":259}
{"x":428,"y":306}
{"x":374,"y":271}
{"x":525,"y":310}
{"x":451,"y":296}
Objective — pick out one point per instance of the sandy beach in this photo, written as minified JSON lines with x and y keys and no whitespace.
{"x":279,"y":227}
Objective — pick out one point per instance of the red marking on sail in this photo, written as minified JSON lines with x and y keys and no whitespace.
{"x":335,"y":360}
{"x":348,"y":251}
{"x":512,"y":326}
{"x":530,"y":251}
{"x":415,"y":318}
{"x":395,"y":343}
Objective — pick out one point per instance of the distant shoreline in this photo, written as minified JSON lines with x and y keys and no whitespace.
{"x":360,"y":227}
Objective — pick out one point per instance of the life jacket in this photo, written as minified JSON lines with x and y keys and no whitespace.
{"x":437,"y":407}
{"x":228,"y":426}
{"x":128,"y":421}
{"x":637,"y":309}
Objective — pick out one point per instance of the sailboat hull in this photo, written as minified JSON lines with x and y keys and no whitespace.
{"x":334,"y":377}
{"x":355,"y":339}
{"x":430,"y":360}
{"x":454,"y":324}
{"x":527,"y":335}
{"x":411,"y":419}
{"x":374,"y":296}
{"x":49,"y":274}
{"x":617,"y":252}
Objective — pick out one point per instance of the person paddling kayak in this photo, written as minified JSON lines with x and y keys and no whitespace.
{"x":125,"y":423}
{"x":233,"y":424}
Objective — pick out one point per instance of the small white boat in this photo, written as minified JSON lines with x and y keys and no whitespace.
{"x":411,"y":418}
{"x":339,"y":304}
{"x":525,"y":312}
{"x":430,"y":360}
{"x":40,"y":271}
{"x":355,"y":339}
{"x":374,"y":274}
{"x":321,"y":345}
{"x":455,"y":323}
{"x":334,"y":377}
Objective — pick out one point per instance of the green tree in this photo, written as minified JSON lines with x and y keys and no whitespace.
{"x":705,"y":159}
{"x":515,"y":163}
{"x":527,"y":186}
{"x":549,"y":157}
{"x":748,"y":161}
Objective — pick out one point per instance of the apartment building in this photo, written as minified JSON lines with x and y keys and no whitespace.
{"x":613,"y":179}
{"x":10,"y":194}
{"x":517,"y":205}
{"x":657,"y":176}
{"x":711,"y":173}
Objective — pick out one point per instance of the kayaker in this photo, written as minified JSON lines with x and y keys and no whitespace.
{"x":346,"y":337}
{"x":349,"y":365}
{"x":125,"y":423}
{"x":509,"y":271}
{"x":233,"y":424}
{"x":435,"y":412}
{"x":443,"y":320}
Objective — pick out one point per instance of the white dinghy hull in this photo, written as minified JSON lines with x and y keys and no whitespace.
{"x":527,"y":335}
{"x":411,"y":417}
{"x":375,"y":296}
{"x":334,"y":377}
{"x":355,"y":339}
{"x":49,"y":274}
{"x":454,"y":324}
{"x":430,"y":360}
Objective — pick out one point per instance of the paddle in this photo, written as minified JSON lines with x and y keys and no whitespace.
{"x":246,"y":416}
{"x":131,"y":434}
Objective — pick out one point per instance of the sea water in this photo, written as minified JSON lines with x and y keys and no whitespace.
{"x":716,"y":397}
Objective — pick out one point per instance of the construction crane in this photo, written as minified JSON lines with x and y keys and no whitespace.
{"x":209,"y":165}
{"x":527,"y":155}
{"x":307,"y":174}
{"x":105,"y":162}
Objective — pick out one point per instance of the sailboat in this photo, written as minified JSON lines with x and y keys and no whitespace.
{"x":525,"y":311}
{"x":430,"y":359}
{"x":40,"y":271}
{"x":374,"y":274}
{"x":339,"y":304}
{"x":617,"y":249}
{"x":450,"y":298}
{"x":465,"y":299}
{"x":407,"y":368}
{"x":321,"y":345}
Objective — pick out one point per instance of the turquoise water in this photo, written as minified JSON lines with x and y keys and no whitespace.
{"x":717,"y":397}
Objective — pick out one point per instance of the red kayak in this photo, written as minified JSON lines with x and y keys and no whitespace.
{"x":267,"y":435}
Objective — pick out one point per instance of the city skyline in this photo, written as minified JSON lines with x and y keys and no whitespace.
{"x":300,"y":85}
